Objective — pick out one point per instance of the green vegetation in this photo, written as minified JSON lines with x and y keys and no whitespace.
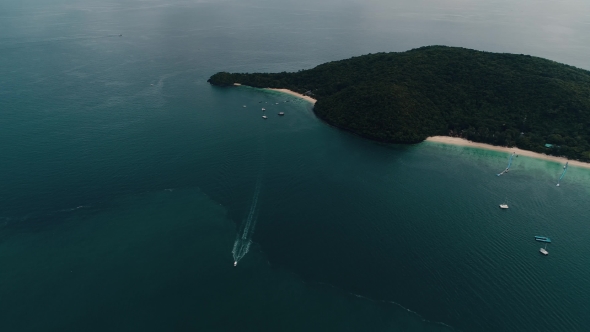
{"x":501,"y":99}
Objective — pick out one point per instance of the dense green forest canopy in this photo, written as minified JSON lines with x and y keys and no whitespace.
{"x":501,"y":99}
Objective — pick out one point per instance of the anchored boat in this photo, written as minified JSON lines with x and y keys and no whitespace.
{"x":544,"y":250}
{"x":542,"y":239}
{"x":504,"y":205}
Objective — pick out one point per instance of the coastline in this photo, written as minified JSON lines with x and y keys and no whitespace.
{"x":457,"y":141}
{"x":293,"y":93}
{"x":289,"y":92}
{"x":463,"y":142}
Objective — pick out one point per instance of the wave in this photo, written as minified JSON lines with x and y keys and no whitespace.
{"x":417,"y":315}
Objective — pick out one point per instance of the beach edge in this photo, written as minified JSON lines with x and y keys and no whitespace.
{"x":293,"y":93}
{"x":463,"y":142}
{"x":289,"y":92}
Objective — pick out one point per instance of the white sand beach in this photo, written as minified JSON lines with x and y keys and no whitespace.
{"x":464,"y":142}
{"x":287,"y":91}
{"x":293,"y":93}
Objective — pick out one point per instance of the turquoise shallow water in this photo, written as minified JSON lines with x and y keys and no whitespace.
{"x":126,"y":179}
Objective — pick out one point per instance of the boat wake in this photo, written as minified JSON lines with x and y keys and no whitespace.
{"x":509,"y":164}
{"x":244,"y":236}
{"x":562,"y":174}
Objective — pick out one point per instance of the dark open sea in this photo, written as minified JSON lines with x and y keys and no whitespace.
{"x":129,"y":185}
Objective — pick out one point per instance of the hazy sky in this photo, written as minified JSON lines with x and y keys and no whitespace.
{"x":333,"y":29}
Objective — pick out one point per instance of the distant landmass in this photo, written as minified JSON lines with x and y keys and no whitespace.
{"x":501,"y":99}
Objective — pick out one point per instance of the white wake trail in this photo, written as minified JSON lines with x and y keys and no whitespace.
{"x":244,"y":238}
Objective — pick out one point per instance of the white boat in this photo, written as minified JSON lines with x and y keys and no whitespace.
{"x":264,"y":117}
{"x":504,"y":205}
{"x":235,"y":263}
{"x":281,"y":113}
{"x":543,"y":251}
{"x":263,"y":109}
{"x":244,"y":106}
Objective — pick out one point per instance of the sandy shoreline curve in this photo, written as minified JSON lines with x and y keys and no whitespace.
{"x":287,"y":91}
{"x":463,"y":142}
{"x":293,"y":93}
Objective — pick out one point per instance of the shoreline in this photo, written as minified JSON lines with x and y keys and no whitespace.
{"x":289,"y":92}
{"x":457,"y":141}
{"x":463,"y":142}
{"x":293,"y":93}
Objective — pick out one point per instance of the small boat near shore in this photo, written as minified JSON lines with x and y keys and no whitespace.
{"x":504,"y":205}
{"x":542,"y":239}
{"x":544,"y":250}
{"x":563,"y":174}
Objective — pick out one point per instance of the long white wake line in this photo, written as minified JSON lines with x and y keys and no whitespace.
{"x":244,"y":240}
{"x":250,"y":219}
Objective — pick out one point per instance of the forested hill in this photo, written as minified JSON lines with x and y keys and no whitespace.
{"x":501,"y":99}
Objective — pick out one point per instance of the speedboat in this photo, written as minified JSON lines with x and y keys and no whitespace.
{"x":281,"y":113}
{"x":235,"y":263}
{"x":503,"y":206}
{"x":264,"y":117}
{"x":543,"y":251}
{"x":263,"y":109}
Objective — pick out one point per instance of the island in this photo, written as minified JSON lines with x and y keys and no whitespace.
{"x":501,"y":99}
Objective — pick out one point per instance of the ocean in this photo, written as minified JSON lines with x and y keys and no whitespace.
{"x":130,"y":186}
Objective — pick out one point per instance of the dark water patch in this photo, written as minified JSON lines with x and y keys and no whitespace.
{"x":162,"y":259}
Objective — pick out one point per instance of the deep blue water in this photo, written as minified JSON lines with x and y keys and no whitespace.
{"x":126,"y":178}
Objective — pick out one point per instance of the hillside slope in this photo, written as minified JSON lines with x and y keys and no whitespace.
{"x":501,"y":99}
